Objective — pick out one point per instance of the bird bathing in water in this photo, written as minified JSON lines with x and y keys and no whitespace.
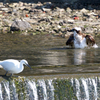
{"x":13,"y":66}
{"x":80,"y":40}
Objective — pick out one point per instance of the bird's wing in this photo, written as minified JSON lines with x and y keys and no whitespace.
{"x":90,"y":40}
{"x":9,"y":64}
{"x":70,"y":41}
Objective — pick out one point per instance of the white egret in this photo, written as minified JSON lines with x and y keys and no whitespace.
{"x":13,"y":66}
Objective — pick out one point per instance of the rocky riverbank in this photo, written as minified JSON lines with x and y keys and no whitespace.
{"x":45,"y":18}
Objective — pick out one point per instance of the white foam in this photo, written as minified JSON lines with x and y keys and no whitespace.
{"x":95,"y":46}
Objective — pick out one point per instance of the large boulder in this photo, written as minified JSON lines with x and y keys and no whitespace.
{"x":20,"y":25}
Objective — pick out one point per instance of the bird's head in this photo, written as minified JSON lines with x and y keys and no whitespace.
{"x":25,"y":63}
{"x":75,"y":30}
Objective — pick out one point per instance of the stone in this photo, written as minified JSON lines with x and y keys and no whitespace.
{"x":70,"y":20}
{"x":1,"y":4}
{"x":6,"y":22}
{"x":4,"y":9}
{"x":68,"y":10}
{"x":22,"y":8}
{"x":41,"y":17}
{"x":89,"y":30}
{"x":46,"y":9}
{"x":20,"y":3}
{"x":5,"y":29}
{"x":18,"y":25}
{"x":84,"y":10}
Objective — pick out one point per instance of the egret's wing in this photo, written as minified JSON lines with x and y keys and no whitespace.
{"x":9,"y":64}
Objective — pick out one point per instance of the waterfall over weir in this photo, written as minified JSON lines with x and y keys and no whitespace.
{"x":51,"y":89}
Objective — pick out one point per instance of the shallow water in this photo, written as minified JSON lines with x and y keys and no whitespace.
{"x":48,"y":54}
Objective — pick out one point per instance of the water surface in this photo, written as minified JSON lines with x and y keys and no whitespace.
{"x":48,"y":54}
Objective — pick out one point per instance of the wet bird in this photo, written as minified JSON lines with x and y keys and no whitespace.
{"x":13,"y":66}
{"x":80,"y":40}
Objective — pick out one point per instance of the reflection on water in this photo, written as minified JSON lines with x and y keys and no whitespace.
{"x":67,"y":56}
{"x":79,"y":56}
{"x":64,"y":57}
{"x":54,"y":58}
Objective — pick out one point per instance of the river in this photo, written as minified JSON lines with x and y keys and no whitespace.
{"x":54,"y":65}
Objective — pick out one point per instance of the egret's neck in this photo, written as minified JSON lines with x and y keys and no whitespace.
{"x":0,"y":62}
{"x":21,"y":66}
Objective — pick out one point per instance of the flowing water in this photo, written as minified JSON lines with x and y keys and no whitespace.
{"x":51,"y":89}
{"x":59,"y":72}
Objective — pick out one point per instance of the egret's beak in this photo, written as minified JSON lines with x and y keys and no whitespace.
{"x":28,"y":66}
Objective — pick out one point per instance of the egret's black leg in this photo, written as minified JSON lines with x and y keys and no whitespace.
{"x":6,"y":73}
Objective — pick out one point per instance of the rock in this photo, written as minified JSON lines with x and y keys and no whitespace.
{"x":25,"y":4}
{"x":1,"y":4}
{"x":90,"y":19}
{"x":20,"y":3}
{"x":46,"y":9}
{"x":4,"y":9}
{"x":20,"y":25}
{"x":5,"y":29}
{"x":22,"y":8}
{"x":6,"y":23}
{"x":61,"y":23}
{"x":59,"y":27}
{"x":52,"y":32}
{"x":89,"y":30}
{"x":31,"y":21}
{"x":68,"y":10}
{"x":47,"y":17}
{"x":84,"y":10}
{"x":70,"y":21}
{"x":24,"y":33}
{"x":68,"y":34}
